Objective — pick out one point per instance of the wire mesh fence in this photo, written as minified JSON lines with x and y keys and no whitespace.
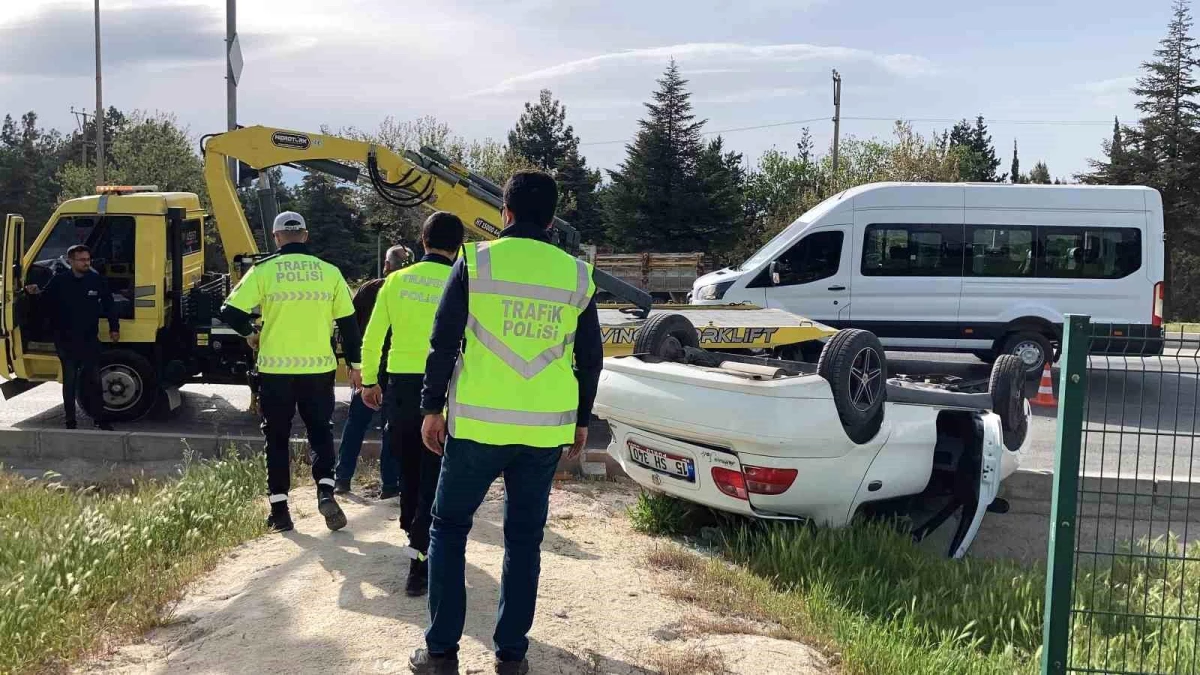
{"x":1123,"y":587}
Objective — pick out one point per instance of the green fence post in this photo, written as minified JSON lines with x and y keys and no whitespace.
{"x":1060,"y":563}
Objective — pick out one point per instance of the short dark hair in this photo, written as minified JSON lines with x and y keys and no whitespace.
{"x":531,"y":196}
{"x":76,"y":250}
{"x":443,"y":231}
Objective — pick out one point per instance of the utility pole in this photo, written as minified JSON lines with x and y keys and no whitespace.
{"x":837,"y":116}
{"x":81,"y":119}
{"x":233,"y":72}
{"x":99,"y":119}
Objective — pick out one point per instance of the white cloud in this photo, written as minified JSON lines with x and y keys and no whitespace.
{"x":1114,"y":85}
{"x":717,"y":57}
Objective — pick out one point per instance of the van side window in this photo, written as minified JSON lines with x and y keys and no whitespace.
{"x":1000,"y":251}
{"x":1089,"y":253}
{"x":912,"y":251}
{"x":813,"y":258}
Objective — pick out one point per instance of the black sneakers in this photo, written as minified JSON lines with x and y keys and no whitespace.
{"x":71,"y":424}
{"x":512,"y":667}
{"x":280,"y":519}
{"x":418,"y":578}
{"x":423,"y":663}
{"x":389,"y":492}
{"x":341,"y":487}
{"x":328,"y":506}
{"x":103,"y":426}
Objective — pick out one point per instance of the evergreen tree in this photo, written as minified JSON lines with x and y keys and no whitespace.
{"x":978,"y":160}
{"x":656,"y":189}
{"x":1015,"y":171}
{"x":1040,"y":174}
{"x":1117,"y":168}
{"x":30,"y":159}
{"x":335,"y":230}
{"x":543,"y":139}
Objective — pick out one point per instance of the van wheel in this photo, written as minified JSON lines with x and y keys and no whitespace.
{"x":664,"y":336}
{"x":1033,"y":349}
{"x":128,"y":387}
{"x":854,"y":365}
{"x":1007,"y":387}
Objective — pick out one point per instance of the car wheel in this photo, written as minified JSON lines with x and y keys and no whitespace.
{"x":128,"y":387}
{"x":1033,"y":349}
{"x":664,"y":336}
{"x":854,"y":364}
{"x":1007,"y":387}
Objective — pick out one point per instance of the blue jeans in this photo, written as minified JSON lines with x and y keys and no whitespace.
{"x":468,"y":469}
{"x":357,"y":421}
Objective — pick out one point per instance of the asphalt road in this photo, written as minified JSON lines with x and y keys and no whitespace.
{"x":1140,"y":415}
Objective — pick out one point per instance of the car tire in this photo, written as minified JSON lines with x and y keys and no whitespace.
{"x":665,"y":336}
{"x":1007,"y":388}
{"x":848,"y":357}
{"x":129,"y":387}
{"x":1033,"y":349}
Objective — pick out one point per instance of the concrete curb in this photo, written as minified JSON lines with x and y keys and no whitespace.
{"x":1100,"y":496}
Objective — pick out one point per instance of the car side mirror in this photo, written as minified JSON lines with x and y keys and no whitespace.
{"x":773,"y":270}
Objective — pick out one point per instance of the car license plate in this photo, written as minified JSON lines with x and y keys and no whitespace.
{"x":663,"y":462}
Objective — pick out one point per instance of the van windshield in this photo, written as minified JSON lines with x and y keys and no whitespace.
{"x":780,"y":241}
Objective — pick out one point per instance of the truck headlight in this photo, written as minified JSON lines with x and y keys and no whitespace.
{"x":714,"y":291}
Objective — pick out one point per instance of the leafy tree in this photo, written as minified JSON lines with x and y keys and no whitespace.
{"x":30,"y":157}
{"x":147,"y":150}
{"x":82,"y":143}
{"x":978,"y":160}
{"x":1040,"y":174}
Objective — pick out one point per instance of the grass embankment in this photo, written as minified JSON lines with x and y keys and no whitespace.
{"x":79,"y":566}
{"x":883,"y":606}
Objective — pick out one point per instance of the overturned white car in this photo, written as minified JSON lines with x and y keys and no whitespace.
{"x":778,"y":439}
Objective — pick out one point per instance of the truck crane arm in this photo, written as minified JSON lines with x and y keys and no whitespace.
{"x":426,"y":178}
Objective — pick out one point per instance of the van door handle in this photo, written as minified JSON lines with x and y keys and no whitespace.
{"x":837,"y":288}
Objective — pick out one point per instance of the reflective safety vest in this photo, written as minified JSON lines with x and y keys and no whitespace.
{"x":300,"y":296}
{"x":514,"y":382}
{"x":406,"y":304}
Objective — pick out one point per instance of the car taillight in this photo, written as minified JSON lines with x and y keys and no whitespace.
{"x":730,"y":482}
{"x":765,"y":481}
{"x":1156,"y":317}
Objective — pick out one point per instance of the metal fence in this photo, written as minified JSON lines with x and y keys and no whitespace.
{"x":1123,"y":582}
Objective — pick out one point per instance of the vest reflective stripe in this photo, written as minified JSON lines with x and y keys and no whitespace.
{"x":406,"y":304}
{"x":514,"y":383}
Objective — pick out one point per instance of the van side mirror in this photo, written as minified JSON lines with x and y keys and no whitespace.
{"x":773,"y":270}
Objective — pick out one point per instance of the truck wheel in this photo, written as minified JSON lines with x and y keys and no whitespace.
{"x":664,"y":336}
{"x":1007,"y":387}
{"x":128,"y":387}
{"x":1033,"y":349}
{"x":854,"y":365}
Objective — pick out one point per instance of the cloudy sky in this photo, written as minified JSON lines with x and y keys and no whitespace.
{"x":472,"y":63}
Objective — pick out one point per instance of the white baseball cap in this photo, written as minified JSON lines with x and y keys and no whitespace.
{"x":288,"y":221}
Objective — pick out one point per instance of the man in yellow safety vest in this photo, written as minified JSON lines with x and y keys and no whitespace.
{"x":405,"y":306}
{"x":301,"y":297}
{"x":521,"y":389}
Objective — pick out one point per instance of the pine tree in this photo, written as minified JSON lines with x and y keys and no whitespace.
{"x":656,"y":190}
{"x":543,"y":138}
{"x":335,"y":230}
{"x":1040,"y":174}
{"x":979,"y":161}
{"x":1015,"y":171}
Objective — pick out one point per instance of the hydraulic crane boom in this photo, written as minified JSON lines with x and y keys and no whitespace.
{"x":425,"y":178}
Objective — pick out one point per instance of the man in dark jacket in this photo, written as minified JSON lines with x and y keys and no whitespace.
{"x":78,"y":299}
{"x":360,"y":415}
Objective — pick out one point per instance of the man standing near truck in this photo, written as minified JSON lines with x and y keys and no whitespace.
{"x":406,"y":307}
{"x":361,"y":415}
{"x":301,"y":297}
{"x":526,"y":312}
{"x":78,"y":298}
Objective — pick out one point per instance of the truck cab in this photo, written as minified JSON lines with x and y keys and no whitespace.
{"x":149,"y":247}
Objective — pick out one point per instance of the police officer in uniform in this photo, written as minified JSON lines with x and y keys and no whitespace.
{"x":405,"y":306}
{"x":526,"y":312}
{"x":301,"y":297}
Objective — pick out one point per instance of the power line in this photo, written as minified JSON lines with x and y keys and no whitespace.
{"x":939,"y":120}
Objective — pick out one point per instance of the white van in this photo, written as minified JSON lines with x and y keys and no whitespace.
{"x":981,"y":268}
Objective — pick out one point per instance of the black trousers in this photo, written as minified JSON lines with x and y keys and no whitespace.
{"x":419,"y":468}
{"x":80,"y":370}
{"x":279,"y":398}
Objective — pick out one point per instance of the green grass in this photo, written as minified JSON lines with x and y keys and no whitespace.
{"x":882,"y":606}
{"x":1182,"y":327}
{"x":78,"y":566}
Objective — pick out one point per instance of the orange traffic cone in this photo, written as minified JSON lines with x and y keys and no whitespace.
{"x":1045,"y":395}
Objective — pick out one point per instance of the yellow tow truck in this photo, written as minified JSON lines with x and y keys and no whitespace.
{"x":149,"y":245}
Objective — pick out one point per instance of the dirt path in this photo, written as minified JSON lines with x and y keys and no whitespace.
{"x":315,"y":601}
